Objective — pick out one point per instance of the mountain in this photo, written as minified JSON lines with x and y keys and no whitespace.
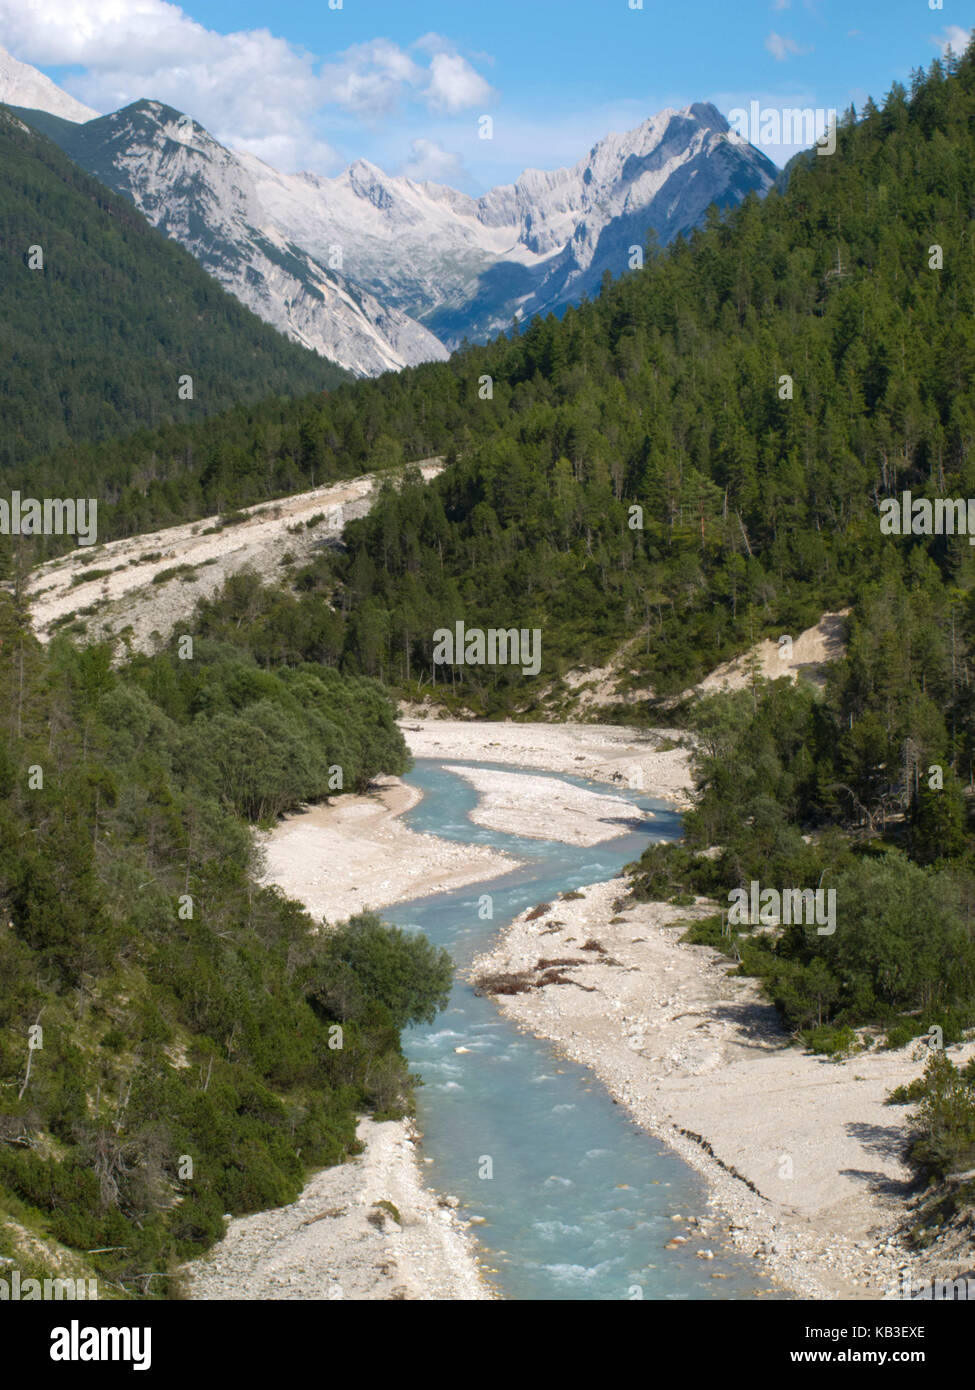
{"x":378,"y":271}
{"x":22,"y":85}
{"x":465,"y":267}
{"x":95,"y":339}
{"x":208,"y":198}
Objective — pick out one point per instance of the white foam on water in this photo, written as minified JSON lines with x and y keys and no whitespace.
{"x":578,"y":1274}
{"x":552,"y":1230}
{"x":433,"y":1039}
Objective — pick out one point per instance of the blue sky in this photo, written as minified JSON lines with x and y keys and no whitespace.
{"x":404,"y":82}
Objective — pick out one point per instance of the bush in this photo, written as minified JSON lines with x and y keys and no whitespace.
{"x":943,"y":1126}
{"x":829,"y":1041}
{"x":400,"y":971}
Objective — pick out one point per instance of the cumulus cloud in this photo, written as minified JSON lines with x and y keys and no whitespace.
{"x":372,"y":79}
{"x":952,"y":36}
{"x":253,"y":90}
{"x":454,"y":85}
{"x":431,"y":163}
{"x":250,"y":89}
{"x":781,"y":47}
{"x":369,"y":79}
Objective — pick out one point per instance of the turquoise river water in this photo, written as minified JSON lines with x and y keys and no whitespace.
{"x":580,"y":1200}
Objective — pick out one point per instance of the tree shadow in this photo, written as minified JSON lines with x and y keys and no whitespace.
{"x":756,"y":1022}
{"x":887,"y":1140}
{"x":636,"y":823}
{"x":880,"y":1183}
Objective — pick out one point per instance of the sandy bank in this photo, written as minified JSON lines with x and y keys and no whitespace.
{"x":357,"y":853}
{"x":336,"y":1242}
{"x":546,"y":808}
{"x":638,"y":759}
{"x":808,"y":656}
{"x":698,"y":1057}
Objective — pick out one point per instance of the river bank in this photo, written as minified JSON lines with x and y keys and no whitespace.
{"x":546,"y":808}
{"x":366,"y":1230}
{"x":335,"y":1241}
{"x":339,"y":859}
{"x":642,"y":759}
{"x":356,"y":854}
{"x":801,"y":1156}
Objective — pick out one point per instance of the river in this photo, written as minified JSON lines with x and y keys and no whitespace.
{"x":578,"y":1201}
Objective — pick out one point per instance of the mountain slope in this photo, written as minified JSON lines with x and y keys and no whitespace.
{"x":379,"y":272}
{"x":752,"y":392}
{"x":22,"y":85}
{"x":96,"y":340}
{"x":144,"y":586}
{"x":583,"y":221}
{"x":466,"y":266}
{"x":206,"y":197}
{"x":664,"y":394}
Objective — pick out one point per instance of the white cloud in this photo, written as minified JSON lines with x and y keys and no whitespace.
{"x":432,"y":43}
{"x":455,"y":85}
{"x":125,"y":32}
{"x":250,"y":88}
{"x":781,"y":4}
{"x":369,"y":79}
{"x":952,"y":36}
{"x":430,"y":162}
{"x":782,"y":47}
{"x":287,"y":153}
{"x":253,"y":90}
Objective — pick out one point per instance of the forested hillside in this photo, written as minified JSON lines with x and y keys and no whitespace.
{"x":756,"y":391}
{"x":197,"y":1045}
{"x":760,"y":512}
{"x":96,"y":333}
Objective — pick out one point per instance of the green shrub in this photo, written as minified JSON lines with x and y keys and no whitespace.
{"x":830,"y":1041}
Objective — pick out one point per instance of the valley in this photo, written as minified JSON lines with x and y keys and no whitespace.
{"x":799,"y":1153}
{"x":490,"y":816}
